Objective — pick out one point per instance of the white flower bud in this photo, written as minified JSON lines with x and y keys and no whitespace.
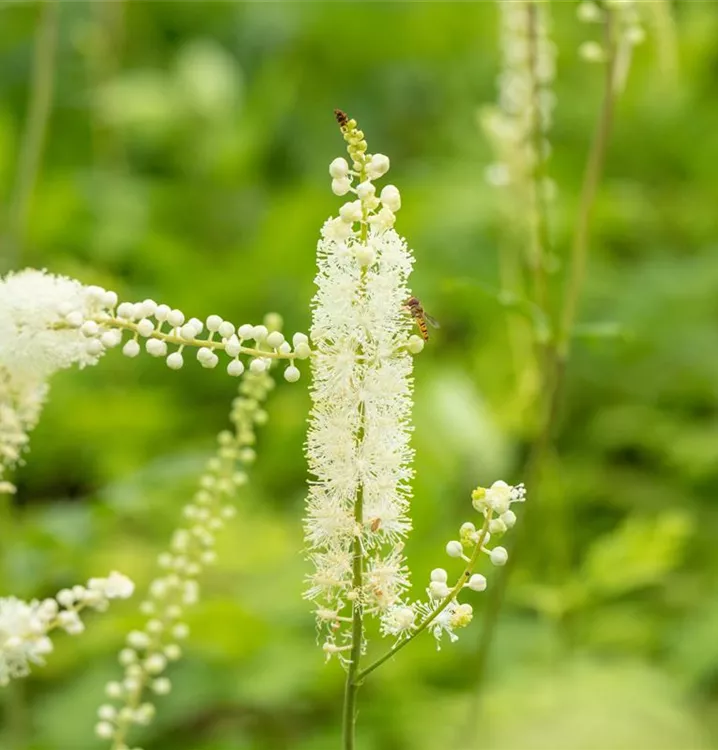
{"x":415,"y":344}
{"x":302,"y":350}
{"x":245,"y":331}
{"x":351,"y":212}
{"x":235,"y":368}
{"x":145,"y":327}
{"x":109,"y":299}
{"x":454,"y":549}
{"x":378,"y":166}
{"x":126,"y":310}
{"x":175,"y":318}
{"x":391,"y":198}
{"x":131,"y":348}
{"x":162,"y":312}
{"x":341,"y":186}
{"x":497,"y":526}
{"x":89,"y":328}
{"x":499,"y":556}
{"x":233,"y":347}
{"x":175,"y":361}
{"x":188,"y":331}
{"x":257,"y":366}
{"x":365,"y":190}
{"x":156,"y":347}
{"x":94,"y":347}
{"x":440,"y":575}
{"x":438,"y":590}
{"x":259,"y":333}
{"x":339,"y":168}
{"x":275,"y":339}
{"x":213,"y":323}
{"x":477,"y":582}
{"x":111,"y":338}
{"x":509,"y":519}
{"x":226,"y":329}
{"x":292,"y":374}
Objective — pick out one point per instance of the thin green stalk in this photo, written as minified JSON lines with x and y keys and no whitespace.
{"x":33,"y":141}
{"x":463,"y":578}
{"x":592,"y":176}
{"x":352,"y":685}
{"x":540,"y":239}
{"x":557,"y":352}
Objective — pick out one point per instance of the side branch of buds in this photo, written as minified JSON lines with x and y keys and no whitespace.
{"x":25,"y":626}
{"x":149,"y":650}
{"x":161,"y":327}
{"x":443,"y":613}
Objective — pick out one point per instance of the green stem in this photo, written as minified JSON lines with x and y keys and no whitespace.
{"x":41,"y":92}
{"x":463,"y":578}
{"x":351,"y":687}
{"x":169,"y":338}
{"x":592,"y":176}
{"x":540,"y":238}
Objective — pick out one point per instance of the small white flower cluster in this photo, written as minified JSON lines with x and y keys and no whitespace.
{"x":149,"y":650}
{"x":628,"y":32}
{"x":443,"y":613}
{"x":32,"y":349}
{"x":24,"y":626}
{"x":526,"y":99}
{"x":358,"y":439}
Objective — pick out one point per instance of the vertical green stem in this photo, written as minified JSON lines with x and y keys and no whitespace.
{"x":592,"y":176}
{"x":41,"y":92}
{"x":539,"y":219}
{"x":351,"y":686}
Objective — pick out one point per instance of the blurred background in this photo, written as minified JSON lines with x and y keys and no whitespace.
{"x":185,"y":159}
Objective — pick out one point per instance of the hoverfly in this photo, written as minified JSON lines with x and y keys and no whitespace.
{"x":420,"y":316}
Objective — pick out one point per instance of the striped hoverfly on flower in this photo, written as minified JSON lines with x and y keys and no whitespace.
{"x":421,"y":317}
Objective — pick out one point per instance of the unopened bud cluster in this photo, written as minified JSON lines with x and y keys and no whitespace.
{"x":25,"y":626}
{"x":368,"y":209}
{"x":443,"y":612}
{"x":166,"y":333}
{"x":149,"y":650}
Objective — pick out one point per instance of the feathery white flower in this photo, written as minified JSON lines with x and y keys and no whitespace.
{"x":358,"y":441}
{"x":24,"y":626}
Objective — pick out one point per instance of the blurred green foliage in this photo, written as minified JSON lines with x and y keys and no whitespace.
{"x":185,"y":160}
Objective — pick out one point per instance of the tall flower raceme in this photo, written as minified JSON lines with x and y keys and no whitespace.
{"x":49,"y":322}
{"x":25,"y":627}
{"x":358,"y":444}
{"x":518,"y":125}
{"x":149,"y":650}
{"x":358,"y":441}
